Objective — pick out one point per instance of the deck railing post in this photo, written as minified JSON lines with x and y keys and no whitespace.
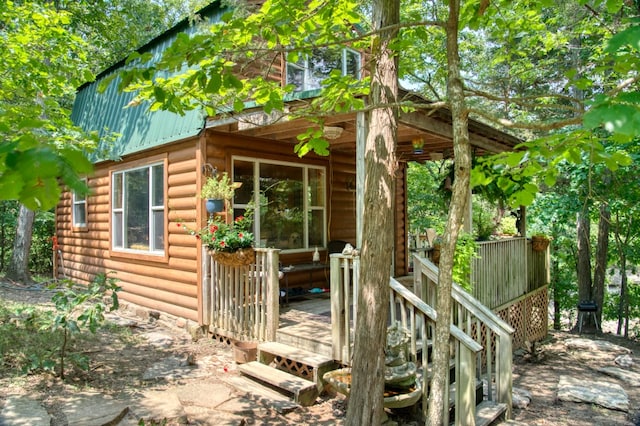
{"x":273,"y":293}
{"x":337,"y":311}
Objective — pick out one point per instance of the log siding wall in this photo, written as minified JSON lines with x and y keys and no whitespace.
{"x":170,"y":283}
{"x":167,"y":283}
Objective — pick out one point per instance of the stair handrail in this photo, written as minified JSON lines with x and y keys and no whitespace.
{"x":498,"y":331}
{"x":344,"y":295}
{"x":493,"y":321}
{"x":419,"y":304}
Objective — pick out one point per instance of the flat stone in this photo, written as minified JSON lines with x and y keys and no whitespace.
{"x":604,"y":394}
{"x":20,"y":410}
{"x":207,"y":395}
{"x":521,"y":398}
{"x":158,"y":407}
{"x":595,"y":345}
{"x":629,"y":377}
{"x":212,"y":417}
{"x":93,"y":409}
{"x":624,"y":361}
{"x":158,"y":339}
{"x":172,"y":368}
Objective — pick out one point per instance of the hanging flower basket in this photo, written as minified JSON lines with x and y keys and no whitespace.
{"x":539,"y":243}
{"x":240,"y":257}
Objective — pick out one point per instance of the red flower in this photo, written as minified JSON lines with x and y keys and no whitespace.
{"x":240,"y":235}
{"x":213,"y":228}
{"x":239,"y":218}
{"x":222,"y":244}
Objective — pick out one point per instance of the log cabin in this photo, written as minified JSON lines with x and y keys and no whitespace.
{"x":147,"y":181}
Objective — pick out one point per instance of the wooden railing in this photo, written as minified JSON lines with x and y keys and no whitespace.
{"x":242,"y":302}
{"x":480,"y":324}
{"x":507,"y":269}
{"x":416,"y":316}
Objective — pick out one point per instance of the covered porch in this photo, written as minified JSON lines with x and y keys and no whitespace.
{"x":245,"y":303}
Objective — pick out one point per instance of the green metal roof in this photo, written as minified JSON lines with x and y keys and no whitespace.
{"x":136,"y":128}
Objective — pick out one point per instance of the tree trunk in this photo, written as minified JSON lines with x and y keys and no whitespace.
{"x":367,"y":385}
{"x":583,"y":264}
{"x":18,"y":269}
{"x":622,"y":303}
{"x":602,"y":250}
{"x":556,"y":295}
{"x":438,"y":398}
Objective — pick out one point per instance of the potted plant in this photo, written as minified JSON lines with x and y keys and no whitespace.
{"x":540,"y":242}
{"x":229,"y":243}
{"x":217,"y":191}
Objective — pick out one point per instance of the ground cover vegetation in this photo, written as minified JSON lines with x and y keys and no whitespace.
{"x":563,"y":75}
{"x":38,"y":339}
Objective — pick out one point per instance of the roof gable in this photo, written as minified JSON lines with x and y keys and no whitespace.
{"x":125,"y":129}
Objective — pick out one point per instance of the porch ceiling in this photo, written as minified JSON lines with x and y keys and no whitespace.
{"x":434,"y":128}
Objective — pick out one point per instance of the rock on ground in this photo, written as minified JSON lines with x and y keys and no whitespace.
{"x":604,"y":394}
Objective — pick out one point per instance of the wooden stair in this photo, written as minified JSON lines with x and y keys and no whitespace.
{"x":488,"y":412}
{"x":292,"y":371}
{"x":302,"y":363}
{"x":302,"y":391}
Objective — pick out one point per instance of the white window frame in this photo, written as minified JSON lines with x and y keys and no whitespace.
{"x":121,"y":211}
{"x":305,"y":67}
{"x":78,"y":200}
{"x":307,"y":207}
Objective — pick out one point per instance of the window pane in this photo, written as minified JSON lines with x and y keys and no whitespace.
{"x":295,"y":76}
{"x":117,"y":230}
{"x":137,"y":209}
{"x":353,"y":63}
{"x":117,"y":191}
{"x":322,"y":62}
{"x":316,"y":187}
{"x":243,"y":173}
{"x":158,"y":230}
{"x":316,"y":228}
{"x":158,"y":185}
{"x":80,"y":214}
{"x":281,"y":206}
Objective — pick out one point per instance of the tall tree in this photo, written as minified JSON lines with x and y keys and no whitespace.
{"x":438,"y":408}
{"x":18,"y":269}
{"x":366,"y":401}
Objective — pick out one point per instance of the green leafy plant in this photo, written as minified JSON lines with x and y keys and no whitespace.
{"x":218,"y":188}
{"x":221,"y":236}
{"x":78,"y":307}
{"x":466,"y":251}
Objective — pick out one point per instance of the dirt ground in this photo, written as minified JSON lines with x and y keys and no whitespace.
{"x":117,"y":364}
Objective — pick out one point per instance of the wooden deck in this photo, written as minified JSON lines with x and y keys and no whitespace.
{"x":306,"y":323}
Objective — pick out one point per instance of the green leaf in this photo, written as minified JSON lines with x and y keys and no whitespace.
{"x":628,"y":37}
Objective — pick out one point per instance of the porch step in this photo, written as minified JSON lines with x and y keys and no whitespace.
{"x":488,"y":412}
{"x":311,"y":336}
{"x":262,"y":394}
{"x":303,"y":392}
{"x":302,"y":363}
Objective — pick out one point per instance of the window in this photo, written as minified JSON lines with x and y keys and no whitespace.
{"x":137,"y":209}
{"x":289,"y":202}
{"x":309,"y":73}
{"x":79,"y":210}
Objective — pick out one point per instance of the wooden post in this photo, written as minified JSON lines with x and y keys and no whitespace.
{"x":337,"y":312}
{"x":206,"y":288}
{"x":503,"y":372}
{"x":273,"y":293}
{"x":465,"y":397}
